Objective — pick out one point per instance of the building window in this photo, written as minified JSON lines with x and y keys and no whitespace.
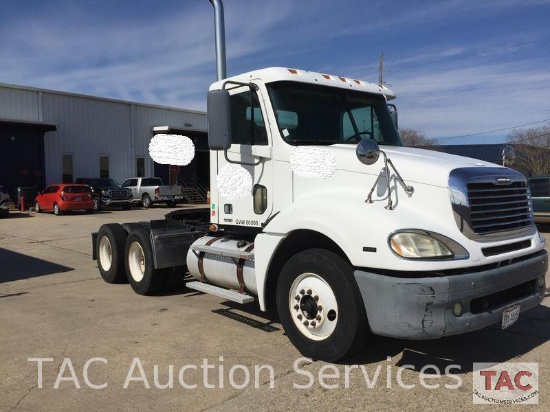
{"x":140,"y":166}
{"x":104,"y":166}
{"x":67,"y":168}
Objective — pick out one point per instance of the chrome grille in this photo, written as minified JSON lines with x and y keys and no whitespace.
{"x":495,"y":208}
{"x":490,"y":203}
{"x":119,"y":194}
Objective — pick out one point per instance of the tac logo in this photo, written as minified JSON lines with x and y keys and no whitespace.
{"x":506,"y":383}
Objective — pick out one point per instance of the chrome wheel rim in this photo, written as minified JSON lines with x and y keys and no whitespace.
{"x":313,"y":306}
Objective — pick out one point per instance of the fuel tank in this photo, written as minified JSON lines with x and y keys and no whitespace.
{"x":224,"y":262}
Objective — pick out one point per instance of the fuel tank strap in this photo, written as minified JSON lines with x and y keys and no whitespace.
{"x":200,"y":261}
{"x":240,"y":263}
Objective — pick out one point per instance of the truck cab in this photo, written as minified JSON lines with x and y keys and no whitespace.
{"x":434,"y":244}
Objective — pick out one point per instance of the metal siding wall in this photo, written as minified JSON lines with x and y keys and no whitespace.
{"x":90,"y":127}
{"x":17,"y":104}
{"x":87,"y":128}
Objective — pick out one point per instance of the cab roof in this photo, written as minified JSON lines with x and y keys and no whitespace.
{"x":274,"y":74}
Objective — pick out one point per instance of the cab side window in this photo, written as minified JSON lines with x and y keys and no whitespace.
{"x":247,"y":122}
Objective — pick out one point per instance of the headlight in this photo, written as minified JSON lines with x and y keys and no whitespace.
{"x":420,"y":244}
{"x":105,"y":193}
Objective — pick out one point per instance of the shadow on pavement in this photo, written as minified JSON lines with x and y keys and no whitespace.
{"x":489,"y":345}
{"x":16,"y":266}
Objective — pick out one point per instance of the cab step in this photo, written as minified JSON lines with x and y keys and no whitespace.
{"x":220,"y":292}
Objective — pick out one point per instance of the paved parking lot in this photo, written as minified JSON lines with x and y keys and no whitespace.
{"x":69,"y":341}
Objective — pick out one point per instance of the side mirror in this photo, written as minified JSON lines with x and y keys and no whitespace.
{"x":219,"y":120}
{"x":508,"y":156}
{"x":367,"y":151}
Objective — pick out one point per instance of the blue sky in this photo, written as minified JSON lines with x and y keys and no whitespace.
{"x":464,"y":71}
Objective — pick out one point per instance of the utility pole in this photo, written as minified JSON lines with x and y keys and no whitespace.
{"x":380,"y":69}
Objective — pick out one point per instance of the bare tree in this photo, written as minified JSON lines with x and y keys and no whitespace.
{"x":417,"y":138}
{"x":533,"y":148}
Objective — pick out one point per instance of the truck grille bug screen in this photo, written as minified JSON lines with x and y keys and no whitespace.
{"x":490,"y":202}
{"x":495,"y":208}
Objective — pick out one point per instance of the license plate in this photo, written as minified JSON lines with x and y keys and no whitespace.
{"x":170,"y":197}
{"x":78,"y":199}
{"x":510,"y":316}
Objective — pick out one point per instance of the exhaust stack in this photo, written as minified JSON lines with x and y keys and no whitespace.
{"x":220,"y":38}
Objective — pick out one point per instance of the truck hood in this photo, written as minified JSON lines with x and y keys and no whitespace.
{"x":415,"y":165}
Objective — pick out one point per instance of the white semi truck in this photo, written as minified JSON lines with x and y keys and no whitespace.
{"x":317,"y":209}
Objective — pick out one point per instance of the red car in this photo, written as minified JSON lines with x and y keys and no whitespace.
{"x":64,"y":197}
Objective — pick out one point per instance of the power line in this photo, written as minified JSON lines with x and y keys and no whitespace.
{"x":493,"y":131}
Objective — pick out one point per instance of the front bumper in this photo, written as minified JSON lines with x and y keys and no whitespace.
{"x":422,"y":308}
{"x":107,"y":201}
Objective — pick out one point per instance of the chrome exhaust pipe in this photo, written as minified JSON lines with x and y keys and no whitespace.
{"x":220,"y":38}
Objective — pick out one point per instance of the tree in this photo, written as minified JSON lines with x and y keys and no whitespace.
{"x":532,"y":148}
{"x":417,"y":138}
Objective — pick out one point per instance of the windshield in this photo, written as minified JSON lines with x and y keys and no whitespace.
{"x":320,"y":115}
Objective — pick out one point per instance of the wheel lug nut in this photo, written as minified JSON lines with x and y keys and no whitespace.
{"x":313,"y":324}
{"x":302,"y":292}
{"x":309,"y":291}
{"x":318,"y":317}
{"x":316,"y":298}
{"x":300,"y":317}
{"x":296,"y":307}
{"x":319,"y":308}
{"x":306,"y":323}
{"x":297,"y":297}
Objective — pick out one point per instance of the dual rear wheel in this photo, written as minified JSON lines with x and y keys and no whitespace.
{"x":128,"y":257}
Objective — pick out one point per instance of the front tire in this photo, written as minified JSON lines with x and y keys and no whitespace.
{"x":138,"y":258}
{"x":110,"y":243}
{"x":37,"y":208}
{"x":97,"y":204}
{"x":320,"y":306}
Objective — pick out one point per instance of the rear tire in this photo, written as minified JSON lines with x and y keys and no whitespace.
{"x":110,"y":243}
{"x":146,"y":201}
{"x":56,"y":210}
{"x":320,"y":306}
{"x":138,"y":259}
{"x":37,"y":208}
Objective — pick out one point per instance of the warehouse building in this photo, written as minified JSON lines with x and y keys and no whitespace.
{"x":50,"y":137}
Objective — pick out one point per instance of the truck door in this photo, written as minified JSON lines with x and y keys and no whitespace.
{"x":132,"y":185}
{"x":244,"y":172}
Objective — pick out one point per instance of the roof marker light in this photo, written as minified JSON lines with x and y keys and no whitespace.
{"x":326,"y":76}
{"x":343,"y":79}
{"x":293,"y":71}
